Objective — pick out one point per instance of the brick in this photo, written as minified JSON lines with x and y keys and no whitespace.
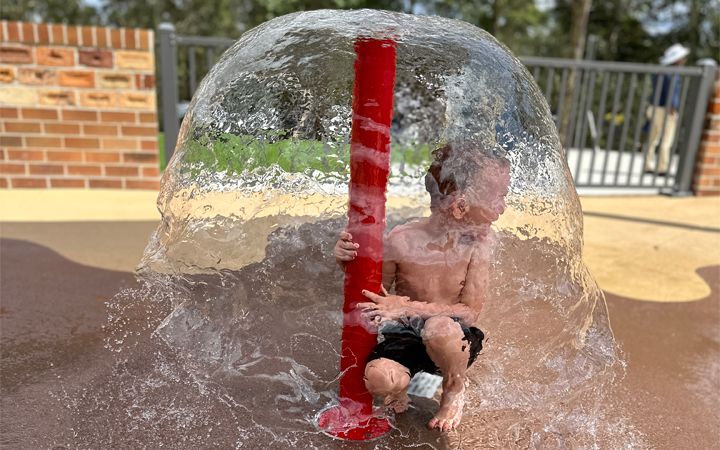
{"x":707,"y":137}
{"x":144,"y":158}
{"x":708,"y":192}
{"x":710,"y":171}
{"x":9,"y":113}
{"x":137,"y":100}
{"x":127,"y":117}
{"x":26,"y":155}
{"x":149,"y":145}
{"x":148,"y":118}
{"x":122,"y":171}
{"x":82,"y":142}
{"x":74,"y":114}
{"x":84,"y":170}
{"x":37,"y":141}
{"x":98,"y":99}
{"x":128,"y":130}
{"x":65,"y":156}
{"x":87,"y":36}
{"x":77,"y":78}
{"x":115,"y":80}
{"x":17,"y":96}
{"x":101,"y":37}
{"x":144,"y":40}
{"x":13,"y":32}
{"x":10,"y":141}
{"x":103,"y":130}
{"x":28,"y":182}
{"x":150,"y":172}
{"x":57,"y":97}
{"x":72,"y":35}
{"x":43,"y":33}
{"x":130,"y":38}
{"x":37,"y":113}
{"x":16,"y":55}
{"x":46,"y":169}
{"x":142,"y":184}
{"x":55,"y":56}
{"x":96,"y":58}
{"x":62,"y":128}
{"x":3,"y":183}
{"x":119,"y":144}
{"x":115,"y":39}
{"x":22,"y":127}
{"x":135,"y":60}
{"x":7,"y":74}
{"x":714,"y":107}
{"x":107,"y":184}
{"x":2,"y":154}
{"x":56,"y":31}
{"x":28,"y":32}
{"x":12,"y":169}
{"x":67,"y":183}
{"x":144,"y":81}
{"x":106,"y":157}
{"x":37,"y":76}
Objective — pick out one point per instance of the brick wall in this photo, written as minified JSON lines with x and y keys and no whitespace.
{"x":707,"y":165}
{"x":77,"y":107}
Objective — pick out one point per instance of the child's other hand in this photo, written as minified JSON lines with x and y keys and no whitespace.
{"x":383,"y":307}
{"x":345,"y":249}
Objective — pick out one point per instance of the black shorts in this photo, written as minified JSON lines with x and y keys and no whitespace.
{"x":403,"y":344}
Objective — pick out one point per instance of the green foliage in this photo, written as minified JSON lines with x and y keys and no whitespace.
{"x":234,"y":154}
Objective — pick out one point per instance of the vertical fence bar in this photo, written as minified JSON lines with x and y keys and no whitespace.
{"x":573,"y":115}
{"x":168,"y":71}
{"x":536,"y":73}
{"x":681,"y":116}
{"x":587,"y":106}
{"x":561,"y":103}
{"x":638,"y":128}
{"x":696,"y":123}
{"x":611,"y":132}
{"x":549,"y":83}
{"x":626,"y":122}
{"x":599,"y":124}
{"x":192,"y":69}
{"x":210,"y":56}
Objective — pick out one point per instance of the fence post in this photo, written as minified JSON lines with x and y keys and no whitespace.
{"x":168,"y":72}
{"x":694,"y":132}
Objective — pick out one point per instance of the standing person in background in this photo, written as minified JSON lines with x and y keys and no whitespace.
{"x":666,"y":111}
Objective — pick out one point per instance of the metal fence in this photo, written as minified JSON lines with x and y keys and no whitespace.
{"x":604,"y":111}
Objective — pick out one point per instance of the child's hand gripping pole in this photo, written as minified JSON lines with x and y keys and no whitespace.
{"x":369,"y":168}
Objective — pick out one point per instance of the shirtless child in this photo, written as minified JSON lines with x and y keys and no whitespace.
{"x":439,"y":266}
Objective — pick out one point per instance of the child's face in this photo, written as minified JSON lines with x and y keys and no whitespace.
{"x":486,"y":198}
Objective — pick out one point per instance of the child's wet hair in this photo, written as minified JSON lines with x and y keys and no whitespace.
{"x":456,"y":167}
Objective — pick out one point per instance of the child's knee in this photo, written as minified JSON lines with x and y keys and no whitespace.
{"x":384,"y":376}
{"x":441,"y":326}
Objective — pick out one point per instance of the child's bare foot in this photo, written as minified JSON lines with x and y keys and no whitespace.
{"x":400,"y":402}
{"x":450,"y":412}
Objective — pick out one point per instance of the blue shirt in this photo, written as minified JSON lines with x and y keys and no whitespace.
{"x":667,"y":81}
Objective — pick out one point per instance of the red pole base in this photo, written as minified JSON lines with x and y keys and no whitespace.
{"x":339,"y":423}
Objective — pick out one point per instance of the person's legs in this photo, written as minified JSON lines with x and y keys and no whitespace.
{"x":667,"y":142}
{"x":445,"y":344}
{"x":385,"y":377}
{"x":654,"y":138}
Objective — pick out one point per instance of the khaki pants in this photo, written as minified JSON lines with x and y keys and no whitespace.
{"x":668,"y":136}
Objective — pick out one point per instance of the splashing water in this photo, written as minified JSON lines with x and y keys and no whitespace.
{"x":233,"y":339}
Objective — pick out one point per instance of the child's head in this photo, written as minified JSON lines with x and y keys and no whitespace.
{"x":465,"y":181}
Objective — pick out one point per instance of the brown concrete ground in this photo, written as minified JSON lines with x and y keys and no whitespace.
{"x":667,"y":323}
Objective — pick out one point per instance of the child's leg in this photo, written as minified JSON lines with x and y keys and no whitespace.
{"x":385,"y":377}
{"x":443,"y":339}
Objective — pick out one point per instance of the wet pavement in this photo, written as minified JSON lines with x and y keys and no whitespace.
{"x":53,"y":314}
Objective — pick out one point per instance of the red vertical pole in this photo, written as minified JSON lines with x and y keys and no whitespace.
{"x":369,"y":168}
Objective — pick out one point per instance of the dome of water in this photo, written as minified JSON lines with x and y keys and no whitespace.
{"x":234,"y":340}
